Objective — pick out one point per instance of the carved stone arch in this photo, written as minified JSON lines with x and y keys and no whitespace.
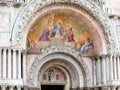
{"x":82,"y":70}
{"x":55,"y":63}
{"x":30,"y":12}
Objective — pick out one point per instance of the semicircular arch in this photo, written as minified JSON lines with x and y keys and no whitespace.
{"x":29,"y":13}
{"x":38,"y":62}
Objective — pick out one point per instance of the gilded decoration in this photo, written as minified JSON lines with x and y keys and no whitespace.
{"x":60,"y":29}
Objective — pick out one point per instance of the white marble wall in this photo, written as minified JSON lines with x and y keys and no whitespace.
{"x":8,"y":16}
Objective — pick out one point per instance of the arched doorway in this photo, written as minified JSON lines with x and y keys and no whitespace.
{"x":57,"y":69}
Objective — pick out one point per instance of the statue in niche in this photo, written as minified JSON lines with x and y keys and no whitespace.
{"x":50,"y":75}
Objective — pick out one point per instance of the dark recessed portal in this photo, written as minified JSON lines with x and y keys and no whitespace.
{"x":52,"y":87}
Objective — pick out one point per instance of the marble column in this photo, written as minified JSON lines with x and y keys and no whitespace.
{"x":96,"y":88}
{"x":118,"y":88}
{"x":113,"y":88}
{"x":94,"y":71}
{"x":4,"y":63}
{"x":103,"y":71}
{"x":118,"y":66}
{"x":25,"y":88}
{"x":14,"y":64}
{"x":98,"y":71}
{"x":3,"y":87}
{"x":108,"y":88}
{"x":0,"y":62}
{"x":19,"y":64}
{"x":114,"y":66}
{"x":111,"y":67}
{"x":18,"y":88}
{"x":108,"y":68}
{"x":11,"y":87}
{"x":9,"y":64}
{"x":24,"y":66}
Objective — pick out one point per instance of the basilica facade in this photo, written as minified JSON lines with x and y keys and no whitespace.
{"x":59,"y":45}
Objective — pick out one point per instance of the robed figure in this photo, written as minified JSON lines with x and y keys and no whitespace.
{"x":45,"y":35}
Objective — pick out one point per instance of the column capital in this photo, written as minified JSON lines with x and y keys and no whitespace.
{"x":104,"y":87}
{"x":19,"y":86}
{"x":113,"y":87}
{"x":25,"y":87}
{"x":104,"y":55}
{"x":4,"y":48}
{"x":24,"y":51}
{"x":14,"y":49}
{"x":1,"y":48}
{"x":11,"y":86}
{"x":3,"y":86}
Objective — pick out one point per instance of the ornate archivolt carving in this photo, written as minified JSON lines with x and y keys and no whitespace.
{"x":62,"y":65}
{"x":35,"y":6}
{"x":59,"y":51}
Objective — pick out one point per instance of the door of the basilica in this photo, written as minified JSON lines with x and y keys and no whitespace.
{"x":52,"y":87}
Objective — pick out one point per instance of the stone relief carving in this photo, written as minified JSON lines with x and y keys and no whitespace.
{"x":4,"y":22}
{"x":31,"y":9}
{"x":52,"y":50}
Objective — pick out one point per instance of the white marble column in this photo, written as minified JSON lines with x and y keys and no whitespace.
{"x":18,"y":88}
{"x":103,"y":88}
{"x":114,"y":66}
{"x":0,"y":62}
{"x":11,"y":87}
{"x":3,"y":87}
{"x":108,"y":68}
{"x":118,"y":88}
{"x":103,"y":71}
{"x":108,"y":88}
{"x":19,"y":64}
{"x":9,"y":64}
{"x":24,"y":66}
{"x":4,"y":63}
{"x":111,"y":67}
{"x":113,"y":88}
{"x":25,"y":88}
{"x":98,"y":71}
{"x":14,"y":64}
{"x":94,"y":71}
{"x":118,"y":66}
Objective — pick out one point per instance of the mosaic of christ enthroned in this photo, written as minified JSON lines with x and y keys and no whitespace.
{"x":60,"y":30}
